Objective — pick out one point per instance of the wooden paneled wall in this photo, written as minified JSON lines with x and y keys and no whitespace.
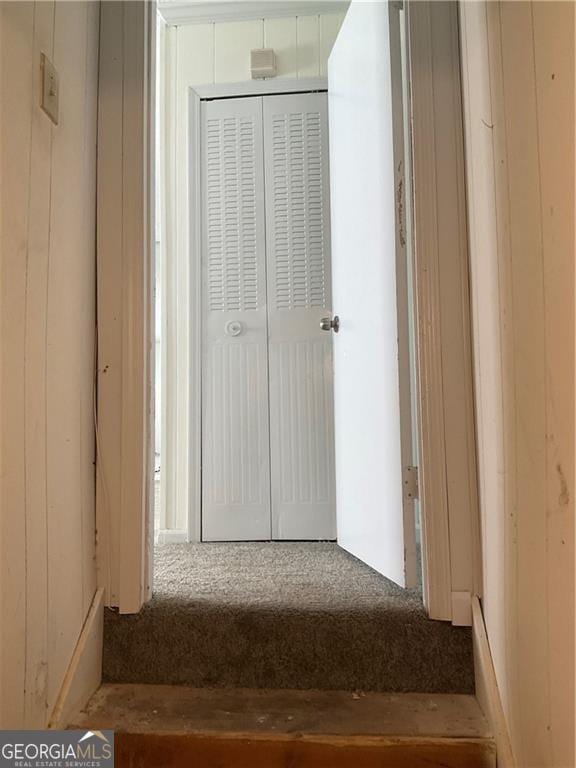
{"x":220,"y":52}
{"x":47,"y":333}
{"x":518,"y":80}
{"x":193,"y":55}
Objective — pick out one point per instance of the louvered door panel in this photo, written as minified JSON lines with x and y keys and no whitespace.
{"x":235,"y":428}
{"x":298,"y":290}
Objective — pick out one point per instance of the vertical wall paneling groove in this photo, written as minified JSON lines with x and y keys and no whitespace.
{"x":308,"y":46}
{"x":280,"y":34}
{"x":89,"y":307}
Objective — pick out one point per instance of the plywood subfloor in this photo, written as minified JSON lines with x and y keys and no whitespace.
{"x":180,"y":709}
{"x":173,"y":726}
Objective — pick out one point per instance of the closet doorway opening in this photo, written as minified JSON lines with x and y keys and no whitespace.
{"x":249,"y":320}
{"x":289,"y":408}
{"x":260,"y":455}
{"x":386,"y":234}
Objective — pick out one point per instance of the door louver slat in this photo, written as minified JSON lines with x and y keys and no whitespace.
{"x":232,"y":279}
{"x":297,"y":217}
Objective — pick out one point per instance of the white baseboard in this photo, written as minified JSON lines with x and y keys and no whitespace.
{"x":172,"y":536}
{"x":84,"y":673}
{"x":487,"y":691}
{"x":461,"y":609}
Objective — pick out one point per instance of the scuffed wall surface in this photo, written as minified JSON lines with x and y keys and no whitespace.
{"x":518,"y":80}
{"x":47,"y":332}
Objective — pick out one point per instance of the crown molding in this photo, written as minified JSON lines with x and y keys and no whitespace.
{"x":177,"y":13}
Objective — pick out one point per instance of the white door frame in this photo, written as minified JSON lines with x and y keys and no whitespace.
{"x":448,"y":481}
{"x":409,"y":415}
{"x":447,"y":436}
{"x":195,"y":97}
{"x":125,"y":302}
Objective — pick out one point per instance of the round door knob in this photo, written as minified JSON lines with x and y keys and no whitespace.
{"x":330,"y":324}
{"x":234,"y":328}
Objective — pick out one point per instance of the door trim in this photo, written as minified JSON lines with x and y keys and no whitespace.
{"x":409,"y":425}
{"x":125,"y":303}
{"x":450,"y":532}
{"x":448,"y":481}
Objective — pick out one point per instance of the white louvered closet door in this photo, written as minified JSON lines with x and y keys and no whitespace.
{"x":299,"y":295}
{"x":235,"y":414}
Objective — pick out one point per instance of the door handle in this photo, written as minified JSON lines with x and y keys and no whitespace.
{"x":329,"y":324}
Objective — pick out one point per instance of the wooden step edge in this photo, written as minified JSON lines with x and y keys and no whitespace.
{"x":358,"y":740}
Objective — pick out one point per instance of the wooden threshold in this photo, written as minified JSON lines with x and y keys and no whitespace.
{"x":172,"y":726}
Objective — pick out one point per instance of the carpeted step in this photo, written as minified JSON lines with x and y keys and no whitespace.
{"x":286,"y":616}
{"x":177,"y":727}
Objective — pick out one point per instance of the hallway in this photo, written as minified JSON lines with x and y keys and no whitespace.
{"x":283,"y":615}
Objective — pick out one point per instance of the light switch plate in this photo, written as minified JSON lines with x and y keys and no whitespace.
{"x":49,"y":81}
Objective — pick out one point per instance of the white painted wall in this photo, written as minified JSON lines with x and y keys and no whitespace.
{"x":192,"y":55}
{"x":47,"y":330}
{"x":518,"y":78}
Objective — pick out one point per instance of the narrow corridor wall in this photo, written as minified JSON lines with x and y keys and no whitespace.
{"x":47,"y":350}
{"x":518,"y":82}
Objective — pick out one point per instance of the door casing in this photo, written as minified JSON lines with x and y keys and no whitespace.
{"x":451,"y":561}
